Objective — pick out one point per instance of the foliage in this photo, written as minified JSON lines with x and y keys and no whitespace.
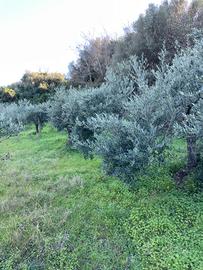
{"x":105,"y":124}
{"x":37,"y":87}
{"x":94,"y":58}
{"x":64,"y":108}
{"x":71,"y":110}
{"x":128,"y":141}
{"x":12,"y":118}
{"x":124,"y":146}
{"x":7,"y":94}
{"x":170,"y":23}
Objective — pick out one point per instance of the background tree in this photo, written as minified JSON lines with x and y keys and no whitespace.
{"x":94,"y":58}
{"x":195,"y":14}
{"x":38,"y":87}
{"x":168,"y":24}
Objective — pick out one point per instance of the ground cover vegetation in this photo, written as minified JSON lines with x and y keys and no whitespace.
{"x":59,"y":211}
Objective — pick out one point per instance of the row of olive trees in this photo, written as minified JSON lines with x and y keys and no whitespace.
{"x":128,"y":121}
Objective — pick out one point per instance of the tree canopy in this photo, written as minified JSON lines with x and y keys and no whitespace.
{"x":39,"y":86}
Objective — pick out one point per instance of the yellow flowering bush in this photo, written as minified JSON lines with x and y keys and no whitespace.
{"x":9,"y":92}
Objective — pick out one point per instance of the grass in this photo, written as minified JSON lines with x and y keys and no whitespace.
{"x":59,"y":211}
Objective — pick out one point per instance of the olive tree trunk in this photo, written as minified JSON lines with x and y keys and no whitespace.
{"x":69,"y":141}
{"x":192,"y":159}
{"x":38,"y":127}
{"x":192,"y":152}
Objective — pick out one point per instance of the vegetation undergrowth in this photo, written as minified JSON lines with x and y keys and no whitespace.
{"x":59,"y":211}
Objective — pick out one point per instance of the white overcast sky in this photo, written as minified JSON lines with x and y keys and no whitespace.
{"x":43,"y":34}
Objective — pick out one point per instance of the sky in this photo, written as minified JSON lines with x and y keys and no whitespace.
{"x":42,"y":35}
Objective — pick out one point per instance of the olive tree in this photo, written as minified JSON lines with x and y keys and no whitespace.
{"x":71,"y":110}
{"x":130,"y":121}
{"x":15,"y":116}
{"x":37,"y":114}
{"x":172,"y":107}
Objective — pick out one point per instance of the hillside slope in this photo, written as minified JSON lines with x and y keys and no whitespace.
{"x":58,"y":211}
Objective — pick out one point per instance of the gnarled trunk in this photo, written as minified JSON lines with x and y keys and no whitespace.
{"x":69,"y":141}
{"x":38,"y":127}
{"x":192,"y":159}
{"x":192,"y":152}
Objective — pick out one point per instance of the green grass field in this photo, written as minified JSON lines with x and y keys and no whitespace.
{"x":59,"y":211}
